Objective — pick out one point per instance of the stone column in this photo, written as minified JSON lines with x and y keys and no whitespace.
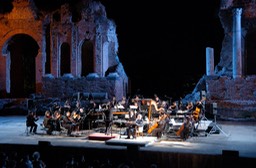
{"x":209,"y":61}
{"x":237,"y":54}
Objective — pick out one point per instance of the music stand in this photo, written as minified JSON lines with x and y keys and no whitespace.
{"x":215,"y":126}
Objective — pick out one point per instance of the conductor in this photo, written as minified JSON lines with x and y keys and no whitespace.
{"x":108,"y":119}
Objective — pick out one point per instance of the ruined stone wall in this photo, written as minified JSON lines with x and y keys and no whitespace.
{"x":67,"y":86}
{"x":22,"y":20}
{"x":235,"y":98}
{"x":93,"y":26}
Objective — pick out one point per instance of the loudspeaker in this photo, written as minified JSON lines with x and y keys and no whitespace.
{"x":214,"y":108}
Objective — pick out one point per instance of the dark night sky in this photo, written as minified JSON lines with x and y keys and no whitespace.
{"x":162,"y":43}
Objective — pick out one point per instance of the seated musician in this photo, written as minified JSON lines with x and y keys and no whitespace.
{"x":157,"y":100}
{"x":136,"y":102}
{"x":185,"y":129}
{"x":190,"y":107}
{"x":173,"y":108}
{"x":123,"y":103}
{"x":132,"y":124}
{"x":69,"y":123}
{"x":113,"y":102}
{"x":48,"y":122}
{"x":31,"y":122}
{"x":197,"y":112}
{"x":153,"y":108}
{"x":57,"y":116}
{"x":77,"y":120}
{"x":161,"y":123}
{"x":67,"y":105}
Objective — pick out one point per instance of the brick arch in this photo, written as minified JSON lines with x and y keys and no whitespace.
{"x":87,"y":53}
{"x":9,"y":35}
{"x":5,"y":74}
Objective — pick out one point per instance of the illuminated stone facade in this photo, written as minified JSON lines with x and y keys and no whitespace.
{"x":60,"y":52}
{"x":233,"y":84}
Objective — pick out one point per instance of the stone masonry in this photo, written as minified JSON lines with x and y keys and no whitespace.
{"x":59,"y":52}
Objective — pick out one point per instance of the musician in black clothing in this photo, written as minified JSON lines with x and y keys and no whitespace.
{"x":113,"y":102}
{"x":108,"y":119}
{"x":161,"y":124}
{"x":123,"y":103}
{"x":31,"y":122}
{"x":69,"y":123}
{"x":132,"y":124}
{"x":48,"y":122}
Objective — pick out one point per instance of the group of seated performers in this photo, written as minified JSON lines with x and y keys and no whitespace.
{"x":57,"y":121}
{"x":152,"y":112}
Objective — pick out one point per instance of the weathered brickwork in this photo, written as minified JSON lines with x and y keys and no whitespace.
{"x":235,"y":97}
{"x":61,"y":36}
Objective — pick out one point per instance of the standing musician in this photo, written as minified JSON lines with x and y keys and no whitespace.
{"x":108,"y":119}
{"x":132,"y":123}
{"x":31,"y":121}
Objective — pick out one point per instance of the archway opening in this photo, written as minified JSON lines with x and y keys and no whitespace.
{"x":65,"y":59}
{"x":87,"y":58}
{"x":23,"y":51}
{"x":250,"y":54}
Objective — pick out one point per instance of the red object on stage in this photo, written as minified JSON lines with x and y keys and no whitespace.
{"x":101,"y":136}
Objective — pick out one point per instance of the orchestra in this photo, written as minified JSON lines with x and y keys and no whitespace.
{"x":156,"y":114}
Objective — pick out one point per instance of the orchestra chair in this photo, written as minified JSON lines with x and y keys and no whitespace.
{"x":27,"y":130}
{"x":62,"y":130}
{"x":58,"y":130}
{"x":43,"y":128}
{"x":139,"y":131}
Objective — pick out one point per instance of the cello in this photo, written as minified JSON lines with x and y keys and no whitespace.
{"x":183,"y":131}
{"x":155,"y":125}
{"x":178,"y":133}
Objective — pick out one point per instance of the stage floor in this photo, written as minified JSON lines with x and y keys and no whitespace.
{"x":236,"y":136}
